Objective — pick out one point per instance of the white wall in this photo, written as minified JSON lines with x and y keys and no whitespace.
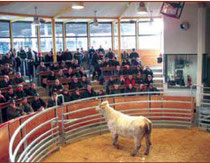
{"x":176,"y":40}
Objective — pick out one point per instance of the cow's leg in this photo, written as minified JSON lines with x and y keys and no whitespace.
{"x":114,"y":139}
{"x":137,"y":141}
{"x":148,"y":143}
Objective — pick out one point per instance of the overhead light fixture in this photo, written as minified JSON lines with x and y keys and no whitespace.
{"x":141,"y":8}
{"x":95,"y":21}
{"x":78,"y":5}
{"x":151,"y":17}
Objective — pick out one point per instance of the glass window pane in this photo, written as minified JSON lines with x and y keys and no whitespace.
{"x":4,"y":45}
{"x":128,"y":42}
{"x":4,"y":29}
{"x":149,"y":42}
{"x":59,"y":30}
{"x":101,"y":30}
{"x":46,"y":44}
{"x":59,"y":44}
{"x":46,"y":30}
{"x":74,"y":43}
{"x":76,"y":29}
{"x":116,"y":42}
{"x":25,"y":29}
{"x":127,"y":29}
{"x":105,"y":42}
{"x":116,"y":29}
{"x":26,"y":43}
{"x":154,"y":27}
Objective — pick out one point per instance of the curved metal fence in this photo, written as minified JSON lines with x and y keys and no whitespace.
{"x":47,"y":130}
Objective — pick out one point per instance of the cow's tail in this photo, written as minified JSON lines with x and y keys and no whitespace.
{"x":148,"y":127}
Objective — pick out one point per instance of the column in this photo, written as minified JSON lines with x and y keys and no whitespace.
{"x":11,"y":35}
{"x":54,"y":41}
{"x":119,"y":42}
{"x":64,"y":36}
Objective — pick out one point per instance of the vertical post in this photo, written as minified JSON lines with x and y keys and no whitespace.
{"x":119,"y":42}
{"x":54,"y":41}
{"x":38,"y":39}
{"x":11,"y":35}
{"x":137,"y":35}
{"x":64,"y":36}
{"x":113,"y":42}
{"x":88,"y":35}
{"x":200,"y":49}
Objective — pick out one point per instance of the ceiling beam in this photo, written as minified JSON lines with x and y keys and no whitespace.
{"x":5,"y":3}
{"x":17,"y":19}
{"x":124,"y":10}
{"x":24,"y":15}
{"x":63,"y":11}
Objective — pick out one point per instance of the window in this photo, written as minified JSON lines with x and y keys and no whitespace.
{"x":59,"y":36}
{"x":180,"y":70}
{"x":101,"y":35}
{"x":24,"y":35}
{"x":4,"y":37}
{"x":150,"y":34}
{"x":76,"y":36}
{"x":128,"y":35}
{"x":46,"y":37}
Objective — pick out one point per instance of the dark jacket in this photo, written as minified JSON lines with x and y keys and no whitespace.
{"x":22,"y":54}
{"x":36,"y":105}
{"x":13,"y":113}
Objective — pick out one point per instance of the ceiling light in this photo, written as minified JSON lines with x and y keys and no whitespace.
{"x":78,"y":5}
{"x":141,"y":8}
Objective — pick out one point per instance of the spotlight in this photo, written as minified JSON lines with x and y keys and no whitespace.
{"x":78,"y":5}
{"x":141,"y":8}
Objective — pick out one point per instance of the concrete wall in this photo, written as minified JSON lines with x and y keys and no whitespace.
{"x":176,"y":40}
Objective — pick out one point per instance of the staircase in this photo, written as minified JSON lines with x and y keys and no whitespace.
{"x":158,"y":77}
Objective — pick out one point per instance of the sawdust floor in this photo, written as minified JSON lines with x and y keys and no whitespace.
{"x":174,"y":145}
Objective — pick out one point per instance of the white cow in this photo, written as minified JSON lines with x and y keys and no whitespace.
{"x":135,"y":127}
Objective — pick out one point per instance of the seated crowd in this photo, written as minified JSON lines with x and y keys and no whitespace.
{"x":68,"y":77}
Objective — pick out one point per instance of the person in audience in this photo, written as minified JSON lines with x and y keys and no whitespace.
{"x":130,"y":88}
{"x":63,"y":65}
{"x":101,"y":50}
{"x":13,"y":111}
{"x":39,"y":59}
{"x":16,"y":62}
{"x":127,"y":70}
{"x":115,"y":62}
{"x":148,"y":71}
{"x":7,"y":59}
{"x":48,"y":59}
{"x":95,"y":58}
{"x":10,"y":94}
{"x":126,"y":62}
{"x":30,"y":64}
{"x":60,"y":74}
{"x":84,"y":82}
{"x":116,"y":89}
{"x":67,"y":56}
{"x":59,"y":56}
{"x":76,"y":95}
{"x":141,"y":88}
{"x":75,"y":64}
{"x":25,"y":106}
{"x":75,"y":83}
{"x":57,"y":86}
{"x":136,"y":62}
{"x":134,"y":54}
{"x":91,"y":52}
{"x":110,"y":54}
{"x":80,"y":72}
{"x":109,"y":83}
{"x":118,"y":71}
{"x":51,"y":76}
{"x":101,"y":92}
{"x":23,"y":56}
{"x":66,"y":95}
{"x":2,"y":98}
{"x":78,"y":56}
{"x":149,"y":80}
{"x":32,"y":90}
{"x":70,"y":73}
{"x":55,"y":67}
{"x":5,"y":82}
{"x":124,"y":56}
{"x":152,"y":88}
{"x":38,"y":104}
{"x":52,"y":101}
{"x":7,"y":70}
{"x":19,"y":79}
{"x":20,"y":91}
{"x":89,"y":92}
{"x":130,"y":80}
{"x":121,"y":80}
{"x":42,"y":68}
{"x":97,"y":70}
{"x":139,"y":79}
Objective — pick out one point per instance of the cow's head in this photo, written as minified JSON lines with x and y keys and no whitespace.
{"x":102,"y":106}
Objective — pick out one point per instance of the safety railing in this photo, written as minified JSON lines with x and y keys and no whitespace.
{"x":204,"y":110}
{"x":78,"y":119}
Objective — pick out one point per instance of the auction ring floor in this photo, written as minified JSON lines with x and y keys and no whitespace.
{"x":173,"y":145}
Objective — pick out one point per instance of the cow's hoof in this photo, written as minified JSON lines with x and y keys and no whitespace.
{"x":146,"y":153}
{"x":133,"y":154}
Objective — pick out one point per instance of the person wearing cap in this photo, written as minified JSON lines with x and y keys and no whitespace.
{"x":66,"y":95}
{"x":13,"y":111}
{"x":20,"y":92}
{"x":25,"y":106}
{"x":134,"y":54}
{"x":76,"y":95}
{"x":148,"y":71}
{"x":148,"y":80}
{"x":38,"y":104}
{"x":52,"y":100}
{"x":32,"y":90}
{"x":5,"y":82}
{"x":110,"y":54}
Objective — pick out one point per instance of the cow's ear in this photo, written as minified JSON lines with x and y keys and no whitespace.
{"x":104,"y":104}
